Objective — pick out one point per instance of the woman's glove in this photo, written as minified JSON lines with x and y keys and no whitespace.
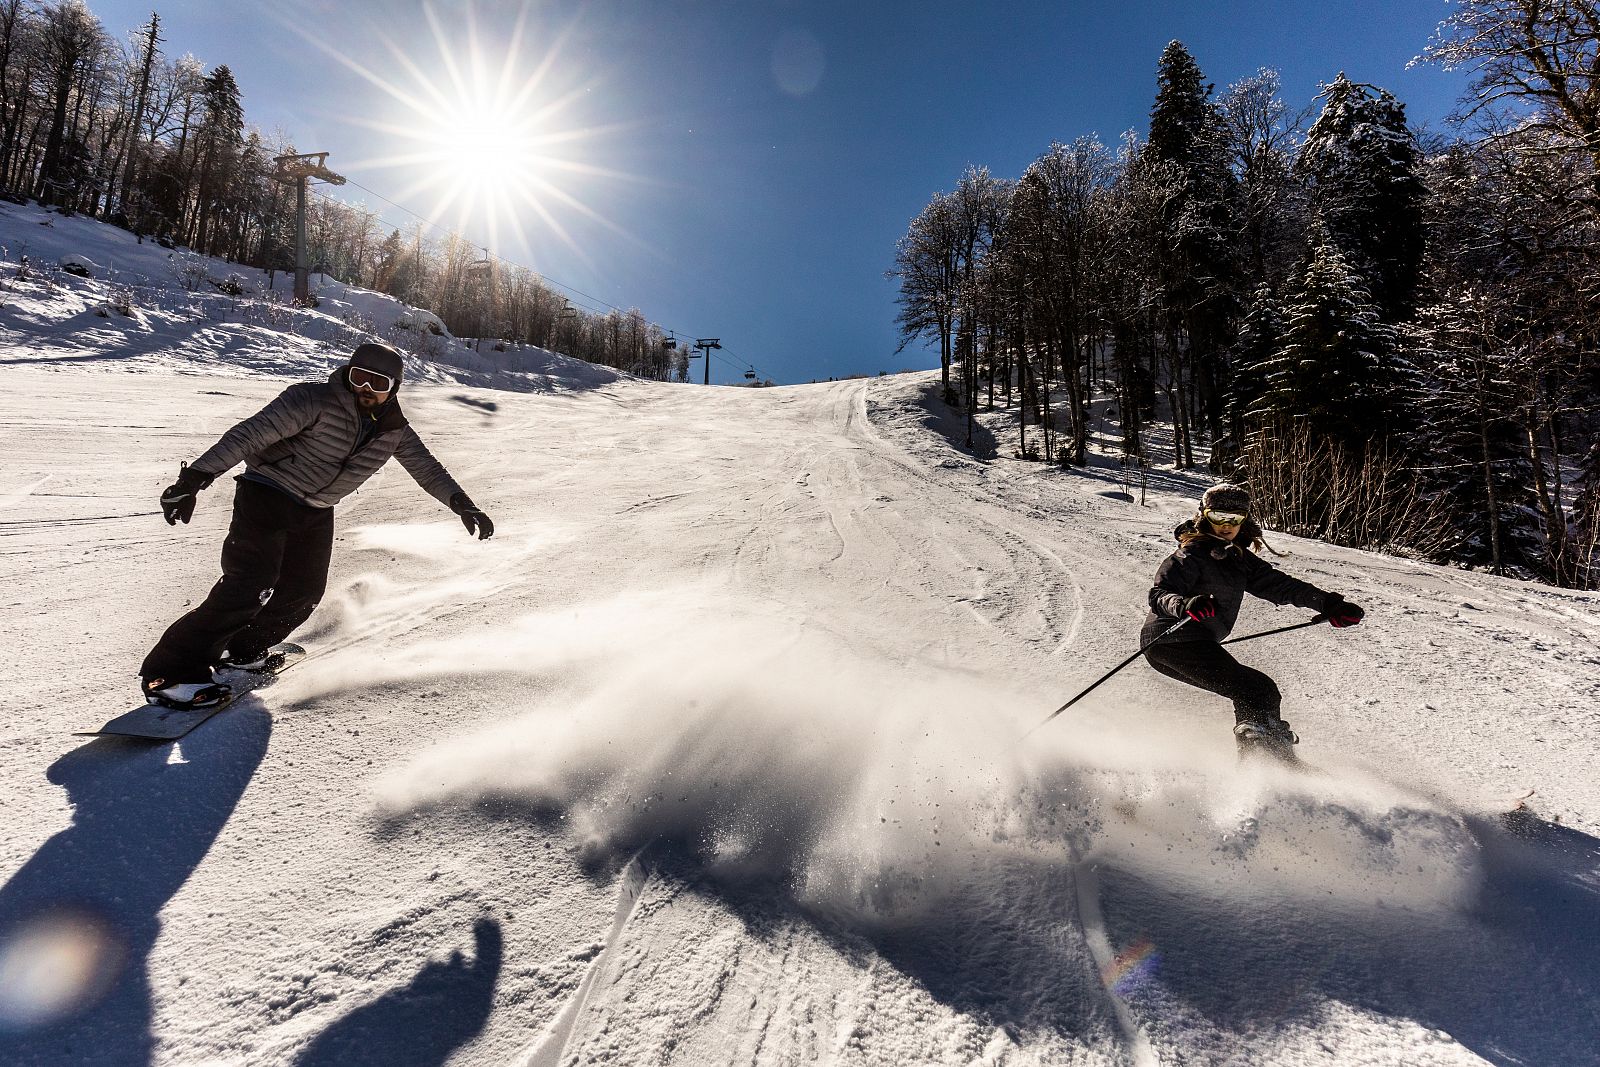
{"x":1341,"y":612}
{"x":472,"y":517}
{"x":1200,"y":608}
{"x":177,"y":503}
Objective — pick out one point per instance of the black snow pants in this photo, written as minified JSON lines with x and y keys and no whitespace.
{"x":274,"y":572}
{"x":1208,"y":665}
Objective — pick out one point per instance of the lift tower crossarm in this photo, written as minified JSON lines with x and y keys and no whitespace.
{"x":708,"y":343}
{"x":297,"y":170}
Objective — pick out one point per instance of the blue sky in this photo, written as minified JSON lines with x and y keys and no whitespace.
{"x":746,"y":167}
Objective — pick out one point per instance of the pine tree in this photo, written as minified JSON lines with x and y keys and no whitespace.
{"x":1337,"y":365}
{"x":221,"y":137}
{"x":1260,"y":334}
{"x":1362,"y":163}
{"x":1475,"y":451}
{"x":1201,"y":266}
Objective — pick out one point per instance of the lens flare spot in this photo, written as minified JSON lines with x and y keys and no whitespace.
{"x":798,"y":62}
{"x":53,"y":966}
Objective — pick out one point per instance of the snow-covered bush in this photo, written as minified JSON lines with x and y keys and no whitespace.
{"x":190,"y":270}
{"x":275,"y":311}
{"x":359,"y":321}
{"x":232,"y":285}
{"x":418,"y":319}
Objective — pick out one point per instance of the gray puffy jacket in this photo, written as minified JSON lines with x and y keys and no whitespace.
{"x":305,"y":442}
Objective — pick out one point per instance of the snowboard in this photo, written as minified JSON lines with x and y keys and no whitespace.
{"x":156,"y":722}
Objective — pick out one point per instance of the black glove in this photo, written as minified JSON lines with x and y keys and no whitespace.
{"x":472,"y":517}
{"x":1341,"y":612}
{"x":177,"y":503}
{"x":1201,"y":607}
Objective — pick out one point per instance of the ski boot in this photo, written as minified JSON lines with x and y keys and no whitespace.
{"x":1269,"y":736}
{"x":184,"y":696}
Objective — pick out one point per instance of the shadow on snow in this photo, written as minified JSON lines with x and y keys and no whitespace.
{"x":423,"y":1023}
{"x":140,"y":827}
{"x":1514,"y":977}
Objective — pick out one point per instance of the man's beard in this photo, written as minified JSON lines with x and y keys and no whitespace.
{"x":368,"y":400}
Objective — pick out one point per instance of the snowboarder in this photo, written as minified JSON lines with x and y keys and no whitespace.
{"x":303,"y":453}
{"x":1204,"y":582}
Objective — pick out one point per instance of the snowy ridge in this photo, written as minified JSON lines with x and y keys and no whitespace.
{"x":789,"y":639}
{"x":146,"y":307}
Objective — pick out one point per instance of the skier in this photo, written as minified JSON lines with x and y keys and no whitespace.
{"x":303,"y":453}
{"x":1202,"y":584}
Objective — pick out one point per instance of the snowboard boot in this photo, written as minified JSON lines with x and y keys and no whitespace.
{"x":1269,"y":736}
{"x":255,"y":662}
{"x":185,"y":696}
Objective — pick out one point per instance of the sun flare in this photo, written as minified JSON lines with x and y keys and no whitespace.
{"x":487,"y":134}
{"x":483,"y":153}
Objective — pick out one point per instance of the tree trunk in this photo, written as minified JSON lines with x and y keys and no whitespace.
{"x":131,"y":164}
{"x":48,"y":181}
{"x":1493,"y":509}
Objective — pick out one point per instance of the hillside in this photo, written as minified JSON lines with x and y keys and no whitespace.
{"x":711,"y":754}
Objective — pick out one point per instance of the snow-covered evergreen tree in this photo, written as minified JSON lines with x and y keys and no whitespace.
{"x":1336,"y":365}
{"x":1260,"y":334}
{"x":1361,"y":161}
{"x":1200,"y":269}
{"x":1470,"y":444}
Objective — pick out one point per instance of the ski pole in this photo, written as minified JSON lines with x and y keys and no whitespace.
{"x":1181,"y":623}
{"x":1268,"y":633}
{"x":1319,"y":619}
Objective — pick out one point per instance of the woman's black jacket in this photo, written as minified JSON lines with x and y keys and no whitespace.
{"x":1226,"y":571}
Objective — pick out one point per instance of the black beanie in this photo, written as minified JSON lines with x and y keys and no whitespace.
{"x":1226,"y":497}
{"x":381,"y":358}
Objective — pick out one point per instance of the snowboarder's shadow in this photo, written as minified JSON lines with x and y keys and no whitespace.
{"x":142,"y":822}
{"x":1510,"y":977}
{"x":426,"y":1021}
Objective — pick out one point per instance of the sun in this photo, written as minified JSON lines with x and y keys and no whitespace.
{"x":488,"y":135}
{"x":487,"y":148}
{"x":486,"y":156}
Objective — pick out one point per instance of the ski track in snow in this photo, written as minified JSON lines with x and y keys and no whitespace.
{"x":782,"y":641}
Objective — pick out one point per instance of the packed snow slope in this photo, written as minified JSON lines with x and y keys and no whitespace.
{"x":712,"y":756}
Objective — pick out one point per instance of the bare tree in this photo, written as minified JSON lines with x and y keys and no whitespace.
{"x":1541,"y":54}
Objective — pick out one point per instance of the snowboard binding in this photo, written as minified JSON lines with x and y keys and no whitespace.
{"x":185,"y":696}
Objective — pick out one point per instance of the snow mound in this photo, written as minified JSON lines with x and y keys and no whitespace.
{"x":84,"y":293}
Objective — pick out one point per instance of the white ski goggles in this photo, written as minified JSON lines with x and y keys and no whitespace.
{"x":362,"y":378}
